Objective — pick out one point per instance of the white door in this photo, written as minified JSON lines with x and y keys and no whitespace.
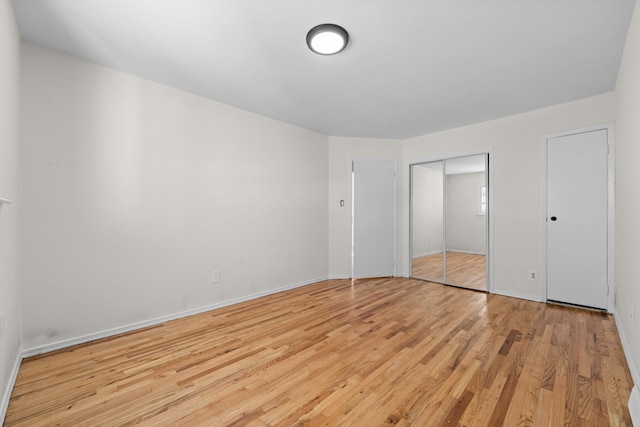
{"x":373,"y":251}
{"x":577,"y":205}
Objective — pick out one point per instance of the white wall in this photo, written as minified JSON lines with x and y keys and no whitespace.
{"x":341,"y":152}
{"x":516,"y":163}
{"x":9,"y":256}
{"x":628,"y":190}
{"x":134,"y":192}
{"x":428,"y":211}
{"x":466,"y":229}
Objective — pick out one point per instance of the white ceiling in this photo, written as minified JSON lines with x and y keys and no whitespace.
{"x":412,"y":67}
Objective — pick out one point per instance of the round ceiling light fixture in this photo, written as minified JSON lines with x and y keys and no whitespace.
{"x":327,"y":39}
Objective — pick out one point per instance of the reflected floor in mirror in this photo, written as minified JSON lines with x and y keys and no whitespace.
{"x":467,"y":270}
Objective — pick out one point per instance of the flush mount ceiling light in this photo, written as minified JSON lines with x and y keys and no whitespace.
{"x":327,"y":39}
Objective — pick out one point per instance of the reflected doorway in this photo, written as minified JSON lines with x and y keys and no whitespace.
{"x":449,"y":221}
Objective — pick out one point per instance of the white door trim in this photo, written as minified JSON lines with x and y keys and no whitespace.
{"x":610,"y":211}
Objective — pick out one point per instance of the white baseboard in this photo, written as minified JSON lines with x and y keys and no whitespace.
{"x":634,"y":406}
{"x":341,"y":277}
{"x":4,"y":404}
{"x":459,"y":251}
{"x":464,"y":251}
{"x":627,"y":350}
{"x":34,"y":351}
{"x":517,"y":295}
{"x":634,"y":399}
{"x":426,"y":253}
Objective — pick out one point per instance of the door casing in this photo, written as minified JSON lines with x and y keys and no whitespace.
{"x":610,"y":210}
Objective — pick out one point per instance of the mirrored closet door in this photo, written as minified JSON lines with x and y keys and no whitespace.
{"x":449,"y":221}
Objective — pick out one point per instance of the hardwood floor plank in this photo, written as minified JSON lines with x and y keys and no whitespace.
{"x":533,"y":379}
{"x":371,"y":352}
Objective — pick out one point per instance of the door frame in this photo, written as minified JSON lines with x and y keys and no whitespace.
{"x":488,"y":151}
{"x":352,"y":213}
{"x":610,"y":209}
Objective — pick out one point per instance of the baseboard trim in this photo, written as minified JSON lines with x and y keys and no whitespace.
{"x":464,"y":251}
{"x":634,"y":406}
{"x":47,"y":348}
{"x":517,"y":295}
{"x":634,"y":399}
{"x":635,"y":374}
{"x":459,"y":251}
{"x":4,"y":404}
{"x":421,"y":254}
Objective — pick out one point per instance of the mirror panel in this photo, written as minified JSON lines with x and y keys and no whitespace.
{"x":466,"y":223}
{"x":449,"y":203}
{"x":427,"y":201}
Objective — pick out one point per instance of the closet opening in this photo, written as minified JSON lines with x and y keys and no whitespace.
{"x":449,"y":221}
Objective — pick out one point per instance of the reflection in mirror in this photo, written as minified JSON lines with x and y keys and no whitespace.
{"x":428,"y":221}
{"x":466,"y":223}
{"x":449,"y":203}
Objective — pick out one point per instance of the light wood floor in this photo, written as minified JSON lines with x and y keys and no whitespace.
{"x":341,"y":353}
{"x":466,"y":270}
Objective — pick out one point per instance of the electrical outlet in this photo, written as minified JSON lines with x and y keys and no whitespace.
{"x":215,"y":276}
{"x":533,"y":275}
